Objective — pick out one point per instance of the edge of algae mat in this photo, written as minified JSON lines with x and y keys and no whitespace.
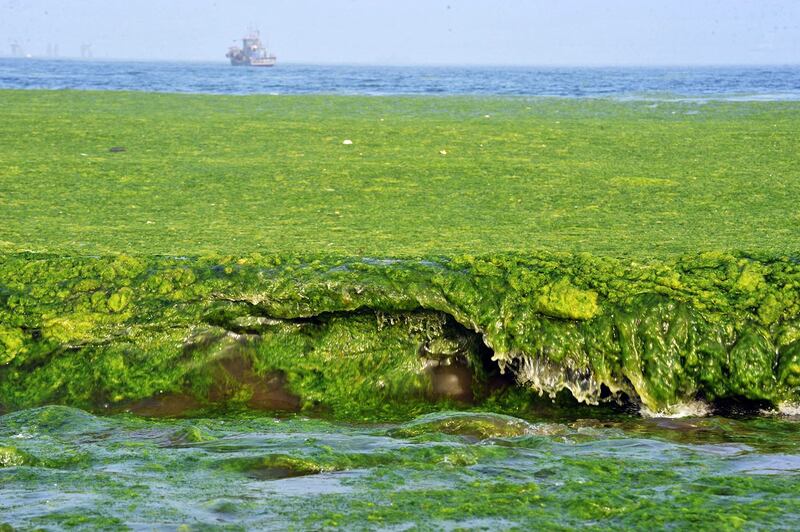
{"x":365,"y":338}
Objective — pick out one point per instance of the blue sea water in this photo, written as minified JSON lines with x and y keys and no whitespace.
{"x":733,"y":83}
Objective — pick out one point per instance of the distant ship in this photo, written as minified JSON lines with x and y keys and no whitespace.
{"x":252,"y":53}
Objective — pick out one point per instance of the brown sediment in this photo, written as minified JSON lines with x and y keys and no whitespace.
{"x":167,"y":405}
{"x":235,"y":376}
{"x":271,"y":394}
{"x":452,"y":381}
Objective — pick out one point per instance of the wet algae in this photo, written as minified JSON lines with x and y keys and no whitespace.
{"x":372,"y":339}
{"x":236,"y":268}
{"x":446,"y":470}
{"x":129,"y":281}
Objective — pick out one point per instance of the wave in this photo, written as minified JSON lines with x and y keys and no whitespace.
{"x":356,"y":337}
{"x":681,"y":410}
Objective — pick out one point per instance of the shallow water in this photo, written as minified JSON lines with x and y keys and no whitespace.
{"x":736,"y":83}
{"x":64,"y":467}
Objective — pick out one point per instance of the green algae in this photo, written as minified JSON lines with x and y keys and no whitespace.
{"x":364,"y":339}
{"x":230,"y":174}
{"x":248,"y":285}
{"x":247,"y":281}
{"x":561,"y":300}
{"x":12,"y":457}
{"x":258,"y":472}
{"x":479,"y":426}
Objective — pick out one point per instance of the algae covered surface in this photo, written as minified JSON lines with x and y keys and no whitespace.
{"x":609,"y":248}
{"x":457,"y":316}
{"x":450,"y":470}
{"x":363,"y":339}
{"x":214,"y":174}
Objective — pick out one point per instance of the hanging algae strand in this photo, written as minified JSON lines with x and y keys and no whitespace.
{"x":358,"y":337}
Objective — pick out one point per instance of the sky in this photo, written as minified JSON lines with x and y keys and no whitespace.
{"x":416,"y":32}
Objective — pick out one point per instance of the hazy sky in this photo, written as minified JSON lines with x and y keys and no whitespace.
{"x":525,"y":32}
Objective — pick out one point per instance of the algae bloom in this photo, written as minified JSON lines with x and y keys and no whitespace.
{"x":496,"y":324}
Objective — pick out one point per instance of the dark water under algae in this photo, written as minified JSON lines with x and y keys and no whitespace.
{"x":62,"y":467}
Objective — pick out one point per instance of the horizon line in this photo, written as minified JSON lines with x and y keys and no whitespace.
{"x":418,"y":65}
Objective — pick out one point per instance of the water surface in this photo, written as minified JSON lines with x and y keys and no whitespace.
{"x":760,"y":83}
{"x":65,"y":467}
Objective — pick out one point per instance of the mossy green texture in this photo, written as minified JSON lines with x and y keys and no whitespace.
{"x":231,"y":174}
{"x":355,"y":337}
{"x":448,"y":470}
{"x":229,"y":246}
{"x":478,"y":426}
{"x":12,"y":457}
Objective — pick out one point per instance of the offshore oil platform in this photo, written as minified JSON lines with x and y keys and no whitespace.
{"x":251,"y":53}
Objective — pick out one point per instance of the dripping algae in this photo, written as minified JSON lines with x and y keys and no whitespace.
{"x":385,"y":338}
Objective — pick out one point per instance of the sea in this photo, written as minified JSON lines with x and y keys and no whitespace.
{"x":730,"y":83}
{"x":63,"y":468}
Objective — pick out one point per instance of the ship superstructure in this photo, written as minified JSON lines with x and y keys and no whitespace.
{"x":251,"y":53}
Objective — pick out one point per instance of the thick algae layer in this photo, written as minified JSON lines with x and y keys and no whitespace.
{"x":469,"y":192}
{"x":367,"y":337}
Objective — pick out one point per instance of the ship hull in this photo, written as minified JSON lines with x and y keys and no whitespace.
{"x":254,"y":62}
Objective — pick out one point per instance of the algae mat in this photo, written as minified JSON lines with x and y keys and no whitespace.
{"x":213,"y":174}
{"x":472,"y":301}
{"x":421,"y":243}
{"x":367,"y":338}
